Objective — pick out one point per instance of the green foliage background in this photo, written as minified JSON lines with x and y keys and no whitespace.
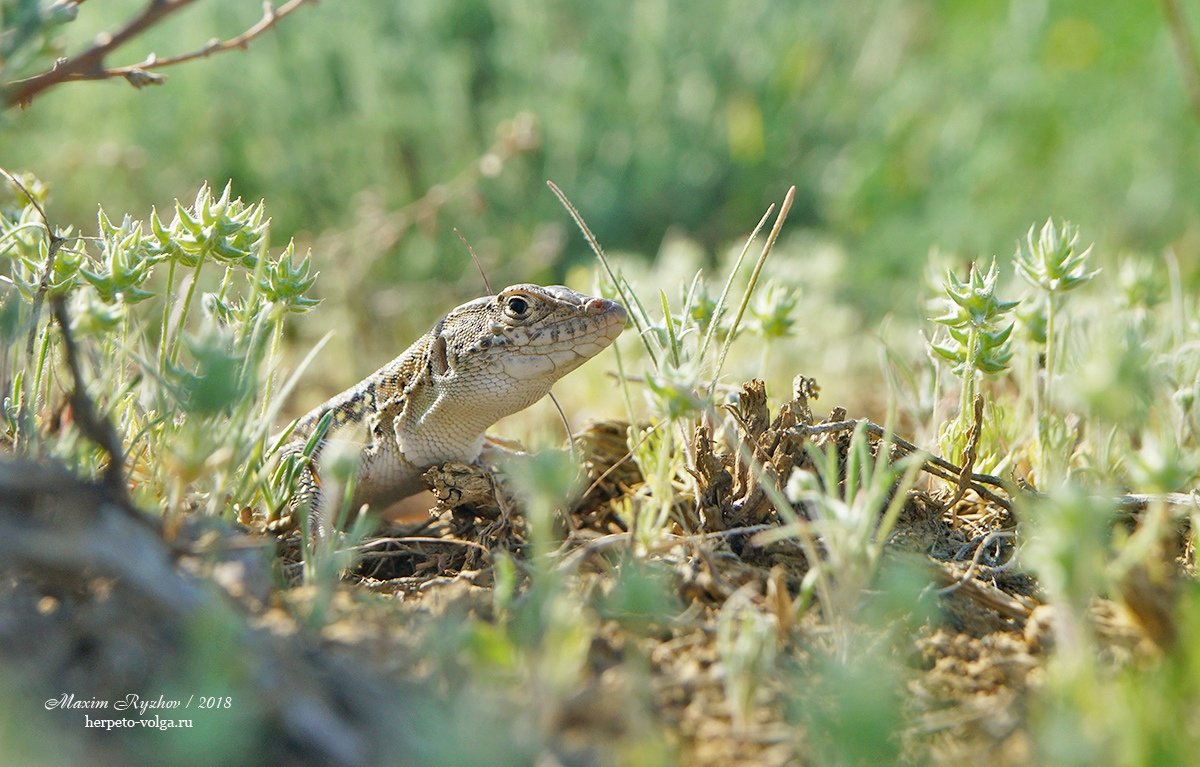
{"x":904,"y":124}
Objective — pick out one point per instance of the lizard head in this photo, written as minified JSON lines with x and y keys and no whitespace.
{"x":495,"y":356}
{"x":531,"y":335}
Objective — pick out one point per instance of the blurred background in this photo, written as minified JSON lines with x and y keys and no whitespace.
{"x":373,"y":129}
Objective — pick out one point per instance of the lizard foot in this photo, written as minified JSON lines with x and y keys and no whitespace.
{"x":456,"y":485}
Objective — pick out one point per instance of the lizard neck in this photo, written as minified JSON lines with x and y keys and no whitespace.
{"x":443,"y":423}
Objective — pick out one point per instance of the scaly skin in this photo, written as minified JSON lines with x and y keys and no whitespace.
{"x":486,"y":359}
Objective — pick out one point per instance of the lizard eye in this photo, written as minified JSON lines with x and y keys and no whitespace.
{"x":516,"y":307}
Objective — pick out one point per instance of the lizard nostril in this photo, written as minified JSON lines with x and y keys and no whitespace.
{"x":598,"y":305}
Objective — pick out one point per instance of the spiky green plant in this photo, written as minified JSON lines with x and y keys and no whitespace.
{"x":187,"y":318}
{"x":853,"y":517}
{"x":977,"y":342}
{"x":1050,"y":260}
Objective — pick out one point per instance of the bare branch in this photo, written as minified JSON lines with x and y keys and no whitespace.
{"x":89,"y":65}
{"x":91,"y":61}
{"x":271,"y":16}
{"x":939,"y":467}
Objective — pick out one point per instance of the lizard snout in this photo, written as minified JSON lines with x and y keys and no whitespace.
{"x":604,"y":306}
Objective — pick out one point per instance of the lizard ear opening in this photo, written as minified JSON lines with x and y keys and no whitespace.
{"x":438,"y":361}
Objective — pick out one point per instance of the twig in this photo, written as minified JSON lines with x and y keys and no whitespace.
{"x":939,"y":467}
{"x":271,"y":16}
{"x":487,"y":284}
{"x":91,"y":423}
{"x":1013,"y":606}
{"x":91,"y":61}
{"x":969,"y":454}
{"x":89,"y":65}
{"x":969,"y":573}
{"x":376,"y":542}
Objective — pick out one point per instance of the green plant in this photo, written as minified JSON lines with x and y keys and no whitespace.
{"x":977,"y":343}
{"x":747,"y":643}
{"x":185,"y":321}
{"x":1052,"y":262}
{"x":433,"y":85}
{"x":853,"y":508}
{"x":327,"y":552}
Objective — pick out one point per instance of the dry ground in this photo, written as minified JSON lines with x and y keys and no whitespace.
{"x":92,"y":601}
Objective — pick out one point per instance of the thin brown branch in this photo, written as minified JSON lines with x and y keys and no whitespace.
{"x":969,"y":454}
{"x":271,"y":16}
{"x":94,"y":426}
{"x":375,"y":543}
{"x":1185,"y":50}
{"x":91,"y":61}
{"x":1129,"y":503}
{"x":937,"y":466}
{"x":89,"y":65}
{"x":982,"y":543}
{"x":1013,"y":606}
{"x":25,"y":190}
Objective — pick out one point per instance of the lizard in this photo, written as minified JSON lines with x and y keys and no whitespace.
{"x":486,"y":359}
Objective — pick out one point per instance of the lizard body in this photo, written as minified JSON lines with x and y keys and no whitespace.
{"x":485,"y":359}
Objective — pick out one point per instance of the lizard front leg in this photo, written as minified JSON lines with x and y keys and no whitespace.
{"x":479,"y":485}
{"x":307,"y":497}
{"x":318,"y":491}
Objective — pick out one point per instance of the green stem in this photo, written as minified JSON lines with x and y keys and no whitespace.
{"x":272,"y":363}
{"x":969,"y":373}
{"x":624,"y":387}
{"x":764,"y":357}
{"x":166,"y":319}
{"x":125,"y":342}
{"x":187,"y":305}
{"x":1051,"y":360}
{"x":1046,"y":405}
{"x":40,"y":371}
{"x":225,"y":283}
{"x":1029,"y":362}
